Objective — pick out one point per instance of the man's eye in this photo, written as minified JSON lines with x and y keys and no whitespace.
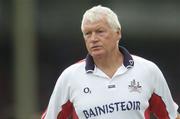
{"x":87,"y":33}
{"x":100,"y":31}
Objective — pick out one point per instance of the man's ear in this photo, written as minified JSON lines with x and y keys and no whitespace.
{"x":119,"y":34}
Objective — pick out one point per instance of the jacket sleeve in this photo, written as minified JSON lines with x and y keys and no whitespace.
{"x":161,"y":102}
{"x":59,"y":106}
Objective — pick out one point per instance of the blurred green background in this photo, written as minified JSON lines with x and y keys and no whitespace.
{"x":40,"y":38}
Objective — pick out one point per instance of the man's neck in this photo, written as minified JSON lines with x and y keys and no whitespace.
{"x":109,"y":64}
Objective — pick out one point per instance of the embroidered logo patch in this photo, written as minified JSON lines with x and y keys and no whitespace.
{"x":135,"y":86}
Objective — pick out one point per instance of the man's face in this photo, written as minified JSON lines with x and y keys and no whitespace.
{"x":100,"y":39}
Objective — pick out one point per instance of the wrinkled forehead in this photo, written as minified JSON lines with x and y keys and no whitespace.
{"x":95,"y":24}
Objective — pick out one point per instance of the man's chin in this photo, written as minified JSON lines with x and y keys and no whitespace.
{"x":97,"y":54}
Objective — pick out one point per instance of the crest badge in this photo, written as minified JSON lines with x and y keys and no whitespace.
{"x":135,"y":86}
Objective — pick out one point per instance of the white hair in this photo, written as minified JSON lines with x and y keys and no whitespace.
{"x":98,"y":12}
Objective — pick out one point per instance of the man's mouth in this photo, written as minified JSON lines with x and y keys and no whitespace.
{"x":95,"y":47}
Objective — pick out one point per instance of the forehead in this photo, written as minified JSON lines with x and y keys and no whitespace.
{"x":101,"y":23}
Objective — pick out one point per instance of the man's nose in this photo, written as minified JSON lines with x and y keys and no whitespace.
{"x":94,"y":36}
